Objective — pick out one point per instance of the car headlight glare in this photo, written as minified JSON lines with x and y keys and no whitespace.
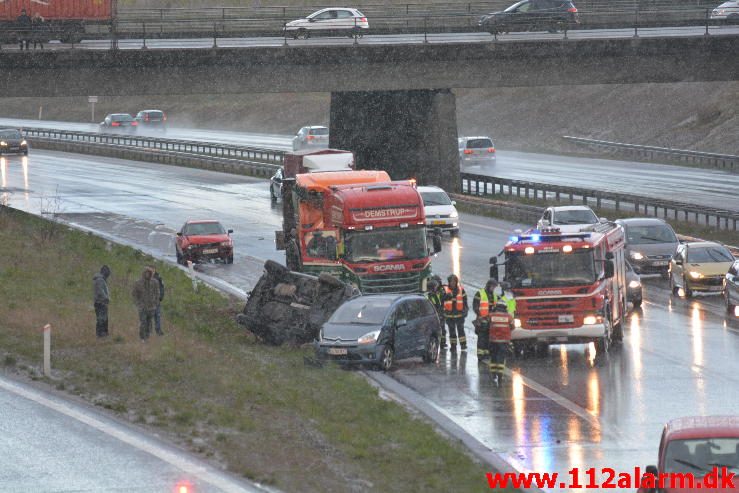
{"x":637,"y":255}
{"x":591,"y":320}
{"x":454,"y":214}
{"x":369,"y":338}
{"x":517,"y":323}
{"x":3,"y":143}
{"x":634,"y":284}
{"x":695,"y":275}
{"x":23,"y":143}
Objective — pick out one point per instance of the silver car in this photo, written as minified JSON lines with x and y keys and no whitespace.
{"x":310,"y":137}
{"x":476,"y":150}
{"x":633,"y":286}
{"x":650,"y":244}
{"x":727,"y":11}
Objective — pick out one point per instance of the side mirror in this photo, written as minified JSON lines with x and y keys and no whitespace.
{"x":544,"y":223}
{"x":401,"y":322}
{"x":654,"y":473}
{"x":602,"y":219}
{"x":230,"y":231}
{"x":311,"y":20}
{"x":179,"y":233}
{"x":454,"y":202}
{"x":609,"y":269}
{"x":494,"y":268}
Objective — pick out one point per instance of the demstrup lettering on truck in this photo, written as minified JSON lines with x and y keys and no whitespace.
{"x":386,"y":213}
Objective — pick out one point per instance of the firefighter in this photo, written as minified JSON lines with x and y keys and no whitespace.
{"x":505,"y":294}
{"x":501,"y":325}
{"x":455,"y":311}
{"x":434,"y":295}
{"x":481,"y":303}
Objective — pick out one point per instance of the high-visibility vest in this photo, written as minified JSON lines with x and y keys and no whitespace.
{"x":500,"y":326}
{"x":459,"y":299}
{"x":484,"y":308}
{"x":510,"y":303}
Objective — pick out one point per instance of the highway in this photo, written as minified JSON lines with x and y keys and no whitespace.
{"x":556,"y":412}
{"x":701,"y":186}
{"x":394,"y":39}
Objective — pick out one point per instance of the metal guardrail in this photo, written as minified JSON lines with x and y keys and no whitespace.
{"x":722,"y":161}
{"x":192,"y":147}
{"x":491,"y":186}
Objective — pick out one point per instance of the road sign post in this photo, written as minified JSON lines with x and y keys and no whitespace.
{"x":92,"y":100}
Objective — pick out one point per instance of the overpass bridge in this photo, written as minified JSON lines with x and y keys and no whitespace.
{"x":391,"y":103}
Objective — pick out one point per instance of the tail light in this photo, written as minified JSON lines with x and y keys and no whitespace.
{"x":362,"y":19}
{"x":572,"y":10}
{"x":491,"y":149}
{"x":468,"y":151}
{"x":310,"y":137}
{"x":164,"y":117}
{"x":115,"y":124}
{"x":133,"y":124}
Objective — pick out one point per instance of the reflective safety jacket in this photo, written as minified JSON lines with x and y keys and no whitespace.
{"x":455,"y":302}
{"x":482,"y":303}
{"x":501,"y":325}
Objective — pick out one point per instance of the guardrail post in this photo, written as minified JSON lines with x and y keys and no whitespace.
{"x":143,"y":25}
{"x":215,"y":36}
{"x":425,"y":30}
{"x":707,"y":18}
{"x":356,"y":33}
{"x":636,"y":22}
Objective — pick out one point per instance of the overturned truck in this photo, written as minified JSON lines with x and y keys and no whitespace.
{"x":290,"y":307}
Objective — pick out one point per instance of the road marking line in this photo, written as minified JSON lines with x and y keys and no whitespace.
{"x":484,"y":226}
{"x":178,"y":460}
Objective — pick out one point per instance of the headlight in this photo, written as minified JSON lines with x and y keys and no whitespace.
{"x":637,"y":255}
{"x":634,"y":284}
{"x":23,"y":143}
{"x":517,"y":323}
{"x":454,"y":213}
{"x":369,"y":338}
{"x":591,"y":320}
{"x":3,"y":143}
{"x":225,"y":243}
{"x":695,"y":275}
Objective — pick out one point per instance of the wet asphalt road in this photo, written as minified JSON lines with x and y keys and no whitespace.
{"x":707,"y":187}
{"x":555,"y":412}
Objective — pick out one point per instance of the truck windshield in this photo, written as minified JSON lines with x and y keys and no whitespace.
{"x":383,"y":245}
{"x":550,"y":269}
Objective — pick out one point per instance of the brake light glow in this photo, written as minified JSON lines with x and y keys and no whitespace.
{"x":362,"y":19}
{"x":491,"y":149}
{"x":468,"y":151}
{"x":134,"y":123}
{"x":310,"y":137}
{"x":572,"y":9}
{"x":115,"y":124}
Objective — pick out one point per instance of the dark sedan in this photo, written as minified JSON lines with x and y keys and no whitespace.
{"x":532,"y":15}
{"x":12,"y":142}
{"x":119,"y":122}
{"x":378,"y":329}
{"x":731,"y":290}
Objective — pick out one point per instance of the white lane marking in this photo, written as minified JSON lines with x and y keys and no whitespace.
{"x":177,"y":460}
{"x":485,"y":226}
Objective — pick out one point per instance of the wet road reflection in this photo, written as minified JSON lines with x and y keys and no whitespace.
{"x":568,"y":407}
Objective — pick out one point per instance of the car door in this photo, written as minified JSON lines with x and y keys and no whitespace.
{"x":323,"y":21}
{"x":678,"y":264}
{"x":428,"y":325}
{"x":344,"y":20}
{"x":403,"y":328}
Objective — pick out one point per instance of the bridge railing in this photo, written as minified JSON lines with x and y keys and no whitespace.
{"x":716,"y":160}
{"x":495,"y":187}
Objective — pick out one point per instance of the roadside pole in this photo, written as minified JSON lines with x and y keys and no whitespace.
{"x":47,"y":350}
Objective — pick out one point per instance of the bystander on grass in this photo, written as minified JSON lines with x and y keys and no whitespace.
{"x":256,"y":410}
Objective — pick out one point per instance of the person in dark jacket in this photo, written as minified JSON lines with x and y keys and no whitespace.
{"x":158,"y":312}
{"x":101,"y":299}
{"x":146,"y":296}
{"x":38,"y":29}
{"x":24,"y":24}
{"x":434,"y":294}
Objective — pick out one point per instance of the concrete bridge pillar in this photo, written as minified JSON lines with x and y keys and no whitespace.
{"x":409,"y":134}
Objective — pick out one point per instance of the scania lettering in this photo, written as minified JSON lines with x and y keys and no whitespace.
{"x":570,"y":288}
{"x":358,"y":226}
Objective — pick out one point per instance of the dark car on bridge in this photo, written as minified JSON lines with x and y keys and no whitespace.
{"x":12,"y":142}
{"x":152,"y":119}
{"x":532,"y":15}
{"x":731,"y":290}
{"x":378,"y":329}
{"x":119,"y":122}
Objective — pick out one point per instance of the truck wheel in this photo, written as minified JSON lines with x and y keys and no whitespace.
{"x":230,"y":259}
{"x":601,"y":346}
{"x":618,"y":330}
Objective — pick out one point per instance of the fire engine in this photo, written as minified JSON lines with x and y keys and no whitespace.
{"x":358,"y":226}
{"x":570,"y":288}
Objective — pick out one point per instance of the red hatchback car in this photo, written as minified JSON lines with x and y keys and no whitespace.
{"x":200,"y":241}
{"x":697,"y":449}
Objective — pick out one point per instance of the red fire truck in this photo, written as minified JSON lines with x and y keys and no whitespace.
{"x":358,"y":226}
{"x":569,"y":288}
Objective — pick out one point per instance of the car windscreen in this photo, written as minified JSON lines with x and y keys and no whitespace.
{"x":201,"y":229}
{"x":479,"y":143}
{"x":697,"y":255}
{"x":556,"y":269}
{"x":435,"y":198}
{"x":121,"y":118}
{"x":10,"y":134}
{"x":515,"y":6}
{"x":318,"y":131}
{"x":652,"y":233}
{"x":576,"y":216}
{"x":154,"y":115}
{"x":702,"y":454}
{"x":362,"y":312}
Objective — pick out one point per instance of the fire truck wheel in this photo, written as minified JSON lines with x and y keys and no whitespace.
{"x":602,"y":345}
{"x":618,"y":330}
{"x":541,"y":349}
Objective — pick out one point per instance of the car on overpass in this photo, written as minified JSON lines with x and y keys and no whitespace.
{"x":650,"y":244}
{"x":378,"y":329}
{"x":568,"y":218}
{"x":699,"y":266}
{"x":731,"y":290}
{"x":152,"y":120}
{"x":727,"y":11}
{"x":310,"y":137}
{"x":532,"y":15}
{"x":12,"y":142}
{"x":440,"y":210}
{"x":330,"y":21}
{"x":476,"y":151}
{"x":200,"y":241}
{"x":119,"y":122}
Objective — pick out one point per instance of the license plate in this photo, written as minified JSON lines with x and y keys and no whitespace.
{"x":715,"y":288}
{"x":660,"y":263}
{"x":563,"y":319}
{"x":337,"y":351}
{"x":210,"y":250}
{"x":561,"y":339}
{"x":437,"y":222}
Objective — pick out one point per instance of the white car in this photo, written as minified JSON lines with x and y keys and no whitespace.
{"x":339,"y":21}
{"x":726,"y":11}
{"x":569,"y":218}
{"x":440,"y":210}
{"x":476,"y":150}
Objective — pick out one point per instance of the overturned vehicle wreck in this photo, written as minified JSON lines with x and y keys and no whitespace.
{"x":290,"y":307}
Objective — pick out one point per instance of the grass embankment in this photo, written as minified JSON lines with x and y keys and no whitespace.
{"x":680,"y":227}
{"x":209,"y":386}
